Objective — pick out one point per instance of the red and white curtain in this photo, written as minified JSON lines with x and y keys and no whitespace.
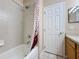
{"x":35,"y":36}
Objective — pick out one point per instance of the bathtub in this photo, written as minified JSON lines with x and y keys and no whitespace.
{"x":33,"y":54}
{"x":17,"y":52}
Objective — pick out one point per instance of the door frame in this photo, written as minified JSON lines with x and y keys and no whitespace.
{"x":66,"y":17}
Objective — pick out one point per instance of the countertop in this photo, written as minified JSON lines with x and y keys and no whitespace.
{"x":74,"y":38}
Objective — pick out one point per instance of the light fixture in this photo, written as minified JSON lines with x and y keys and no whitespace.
{"x":74,"y":9}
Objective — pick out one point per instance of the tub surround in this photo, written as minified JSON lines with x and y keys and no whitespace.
{"x":11,"y":25}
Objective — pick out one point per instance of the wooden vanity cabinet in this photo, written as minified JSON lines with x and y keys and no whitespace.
{"x":71,"y":49}
{"x":77,"y":51}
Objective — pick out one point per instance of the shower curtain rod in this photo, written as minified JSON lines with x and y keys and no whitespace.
{"x":18,"y":4}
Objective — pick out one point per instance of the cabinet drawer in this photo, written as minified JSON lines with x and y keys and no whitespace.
{"x":69,"y":41}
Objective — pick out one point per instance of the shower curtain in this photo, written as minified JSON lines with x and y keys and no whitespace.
{"x":35,"y":36}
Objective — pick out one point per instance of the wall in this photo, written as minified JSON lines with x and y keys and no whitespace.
{"x":11,"y":24}
{"x":49,"y":2}
{"x":70,"y":3}
{"x":20,"y":1}
{"x":28,"y":20}
{"x":28,"y":1}
{"x":72,"y":27}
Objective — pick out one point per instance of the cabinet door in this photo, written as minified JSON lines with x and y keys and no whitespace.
{"x":70,"y":51}
{"x":77,"y":51}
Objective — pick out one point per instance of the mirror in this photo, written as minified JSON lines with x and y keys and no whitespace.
{"x":73,"y":17}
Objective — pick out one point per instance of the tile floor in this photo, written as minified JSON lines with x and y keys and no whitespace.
{"x":44,"y":55}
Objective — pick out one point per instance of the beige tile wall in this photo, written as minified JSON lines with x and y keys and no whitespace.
{"x":28,"y":19}
{"x":11,"y":25}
